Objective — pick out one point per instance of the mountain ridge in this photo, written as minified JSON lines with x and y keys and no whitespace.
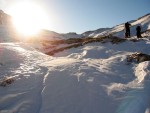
{"x":116,"y":30}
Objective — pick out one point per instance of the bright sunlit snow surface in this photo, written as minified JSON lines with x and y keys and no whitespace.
{"x":90,"y":79}
{"x":94,"y":78}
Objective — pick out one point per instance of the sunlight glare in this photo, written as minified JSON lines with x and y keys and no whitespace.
{"x":29,"y":18}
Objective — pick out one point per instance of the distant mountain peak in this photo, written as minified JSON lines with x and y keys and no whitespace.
{"x":94,"y":32}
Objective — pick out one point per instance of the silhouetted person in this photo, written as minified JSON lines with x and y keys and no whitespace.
{"x":127,"y":30}
{"x":138,"y":32}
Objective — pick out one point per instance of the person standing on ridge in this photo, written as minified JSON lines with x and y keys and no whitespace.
{"x":127,"y":30}
{"x":138,"y":32}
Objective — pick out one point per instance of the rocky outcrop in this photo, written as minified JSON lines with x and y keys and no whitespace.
{"x":138,"y":57}
{"x":6,"y":81}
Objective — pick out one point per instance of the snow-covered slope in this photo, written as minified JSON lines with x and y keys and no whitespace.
{"x":72,"y":35}
{"x":47,"y":35}
{"x":95,"y":32}
{"x":7,"y":34}
{"x":94,"y":78}
{"x":118,"y":30}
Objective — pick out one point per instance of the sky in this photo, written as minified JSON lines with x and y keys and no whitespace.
{"x":84,"y":15}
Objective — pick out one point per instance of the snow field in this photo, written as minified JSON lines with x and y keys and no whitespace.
{"x":88,"y":79}
{"x":94,"y":78}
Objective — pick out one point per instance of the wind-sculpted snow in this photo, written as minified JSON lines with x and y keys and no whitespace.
{"x":120,"y":80}
{"x":137,"y":100}
{"x":24,"y":95}
{"x":94,"y":78}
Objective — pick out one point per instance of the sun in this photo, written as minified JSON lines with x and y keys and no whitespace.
{"x":29,"y":18}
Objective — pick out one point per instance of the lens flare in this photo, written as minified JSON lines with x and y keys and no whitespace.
{"x":29,"y":18}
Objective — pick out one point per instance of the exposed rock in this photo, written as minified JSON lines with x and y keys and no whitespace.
{"x":6,"y":81}
{"x":113,"y":39}
{"x":138,"y":57}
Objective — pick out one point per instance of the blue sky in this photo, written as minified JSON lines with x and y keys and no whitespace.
{"x":83,"y":15}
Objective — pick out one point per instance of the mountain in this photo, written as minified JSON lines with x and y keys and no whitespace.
{"x":72,"y":35}
{"x":94,"y":32}
{"x":5,"y":19}
{"x":118,"y":30}
{"x":7,"y":30}
{"x":85,"y":75}
{"x":51,"y":35}
{"x":93,"y":78}
{"x":47,"y":41}
{"x":47,"y":35}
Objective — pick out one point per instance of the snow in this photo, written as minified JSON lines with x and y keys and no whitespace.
{"x":95,"y":32}
{"x":6,"y":33}
{"x":72,"y":35}
{"x":94,"y":78}
{"x":119,"y":29}
{"x":149,"y":26}
{"x":87,"y":79}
